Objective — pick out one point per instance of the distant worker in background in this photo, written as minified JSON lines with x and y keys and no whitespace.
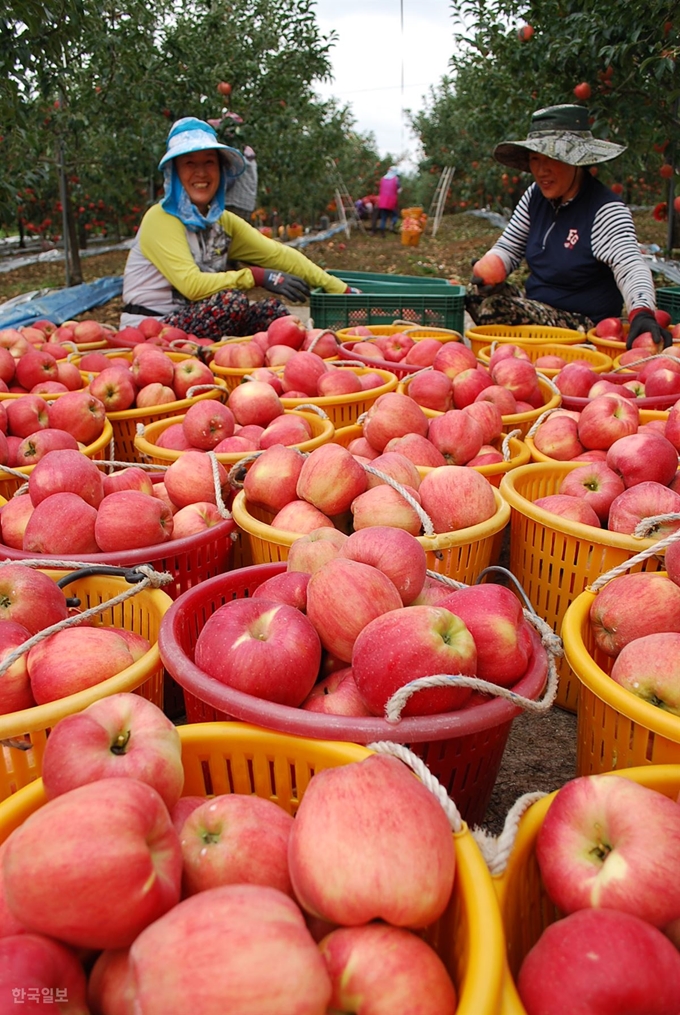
{"x":388,"y":199}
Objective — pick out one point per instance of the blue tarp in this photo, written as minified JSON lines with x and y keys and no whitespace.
{"x":62,"y":304}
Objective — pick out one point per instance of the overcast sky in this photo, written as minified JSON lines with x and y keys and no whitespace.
{"x":380,"y":70}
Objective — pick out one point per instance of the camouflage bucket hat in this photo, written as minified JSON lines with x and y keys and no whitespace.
{"x":561,"y":133}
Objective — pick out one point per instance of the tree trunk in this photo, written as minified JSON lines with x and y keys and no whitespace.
{"x":22,"y":236}
{"x":75,"y":269}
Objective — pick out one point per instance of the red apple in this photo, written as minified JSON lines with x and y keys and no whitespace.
{"x":102,"y":652}
{"x":262,"y":648}
{"x":30,"y":598}
{"x":393,"y":415}
{"x":316,"y":548}
{"x":640,"y":457}
{"x":13,"y":520}
{"x":571,"y":507}
{"x":272,"y":478}
{"x":395,"y":466}
{"x":605,"y":419}
{"x":37,"y":445}
{"x":254,"y":402}
{"x":575,"y":380}
{"x":330,"y":479}
{"x":383,"y":505}
{"x":15,"y":685}
{"x":455,"y":497}
{"x":26,"y":415}
{"x":597,"y":484}
{"x":300,"y":517}
{"x":644,"y":500}
{"x":129,"y":519}
{"x":37,"y":971}
{"x":289,"y":588}
{"x":132,"y":478}
{"x":66,"y":471}
{"x":632,"y":606}
{"x":190,"y":479}
{"x":287,"y":330}
{"x":188,"y":374}
{"x":396,"y":553}
{"x":62,"y":524}
{"x":610,"y":327}
{"x":337,"y":694}
{"x":457,"y":435}
{"x":501,"y":397}
{"x":419,"y":449}
{"x":206,"y":423}
{"x":80,"y":413}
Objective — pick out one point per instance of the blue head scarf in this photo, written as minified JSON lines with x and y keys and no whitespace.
{"x":190,"y":135}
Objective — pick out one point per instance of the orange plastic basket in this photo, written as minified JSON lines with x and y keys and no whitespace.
{"x":525,"y":907}
{"x":346,"y":409}
{"x":125,"y":421}
{"x":236,"y":758}
{"x":597,"y":361}
{"x":518,"y":451}
{"x":98,"y":451}
{"x":463,"y":749}
{"x":460,"y":555}
{"x":149,"y":451}
{"x":522,"y":421}
{"x":521,"y":334}
{"x":141,"y":613}
{"x":555,"y":559}
{"x":616,"y":729}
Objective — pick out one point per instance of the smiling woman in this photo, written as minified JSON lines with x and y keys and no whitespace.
{"x":178,"y":269}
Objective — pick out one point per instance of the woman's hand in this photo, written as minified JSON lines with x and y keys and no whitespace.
{"x":644,"y":320}
{"x":293,"y":288}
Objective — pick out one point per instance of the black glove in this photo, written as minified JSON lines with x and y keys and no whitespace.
{"x":293,"y":288}
{"x":643,"y":321}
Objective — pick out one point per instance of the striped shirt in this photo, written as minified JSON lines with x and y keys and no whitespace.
{"x":583,"y":256}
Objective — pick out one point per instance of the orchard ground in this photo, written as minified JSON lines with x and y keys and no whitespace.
{"x":541,"y":750}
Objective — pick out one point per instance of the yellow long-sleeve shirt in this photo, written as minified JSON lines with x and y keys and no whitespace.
{"x":169,"y":265}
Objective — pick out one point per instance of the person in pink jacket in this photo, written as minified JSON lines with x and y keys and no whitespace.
{"x":388,"y":199}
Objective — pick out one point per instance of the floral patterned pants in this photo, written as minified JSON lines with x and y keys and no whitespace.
{"x":508,"y":305}
{"x":227,"y":314}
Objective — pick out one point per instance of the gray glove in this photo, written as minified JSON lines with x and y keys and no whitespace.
{"x":293,"y":288}
{"x":643,"y":321}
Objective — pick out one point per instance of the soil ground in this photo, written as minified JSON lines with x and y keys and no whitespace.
{"x":541,"y":751}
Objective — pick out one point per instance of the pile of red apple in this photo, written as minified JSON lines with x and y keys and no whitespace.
{"x":614,"y":329}
{"x":223,"y":903}
{"x":31,"y":601}
{"x":396,"y":348}
{"x":153,"y":331}
{"x":335,"y":488}
{"x":150,"y":378}
{"x":658,"y":376}
{"x":630,"y":469}
{"x":635,"y":622}
{"x":355,"y":618}
{"x":30,"y":426}
{"x":72,"y":508}
{"x":46,"y":336}
{"x":38,"y":370}
{"x":457,"y":379}
{"x":608,"y":853}
{"x":275,"y":346}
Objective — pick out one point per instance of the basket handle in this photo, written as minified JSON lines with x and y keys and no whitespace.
{"x":650,"y":551}
{"x":148,"y":578}
{"x":505,"y":447}
{"x":425,"y":519}
{"x":425,"y":776}
{"x":496,"y":850}
{"x":644,"y":359}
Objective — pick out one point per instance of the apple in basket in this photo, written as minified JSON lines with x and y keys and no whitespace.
{"x":79,"y":413}
{"x":350,"y":861}
{"x":330,"y":479}
{"x":63,"y":868}
{"x":645,"y":500}
{"x":557,"y":437}
{"x":609,"y":843}
{"x":236,"y":838}
{"x":336,"y":694}
{"x":115,"y":388}
{"x":66,"y":471}
{"x":62,"y":523}
{"x":631,"y":606}
{"x":602,"y":962}
{"x":597,"y":484}
{"x":393,"y":415}
{"x":489,"y":417}
{"x":190,"y":478}
{"x":34,"y":968}
{"x":382,"y":968}
{"x":289,"y":587}
{"x":302,"y":372}
{"x":322,"y":342}
{"x":455,"y":497}
{"x":272,"y":478}
{"x":101,"y":653}
{"x":642,"y":457}
{"x":27,"y":414}
{"x":122,"y":735}
{"x":606,"y":418}
{"x":457,"y":435}
{"x":575,"y":509}
{"x":264,"y":648}
{"x":30,"y":598}
{"x":313,"y":550}
{"x":650,"y":668}
{"x":15,"y":686}
{"x":243,"y":948}
{"x":37,"y":445}
{"x":287,"y":330}
{"x":419,"y":449}
{"x":254,"y":402}
{"x":188,"y":373}
{"x":130,"y":519}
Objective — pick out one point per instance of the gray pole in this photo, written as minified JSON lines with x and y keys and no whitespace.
{"x":64,"y":214}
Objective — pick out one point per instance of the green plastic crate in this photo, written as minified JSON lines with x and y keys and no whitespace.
{"x":669,"y":299}
{"x":361,"y":278}
{"x":429,"y":307}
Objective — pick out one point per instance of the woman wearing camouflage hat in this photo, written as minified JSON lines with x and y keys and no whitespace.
{"x":577,"y":236}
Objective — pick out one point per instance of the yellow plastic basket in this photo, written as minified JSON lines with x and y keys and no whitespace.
{"x":616,"y":729}
{"x":125,"y":422}
{"x":236,"y":758}
{"x":127,"y":354}
{"x":521,"y":334}
{"x":554,"y":558}
{"x":98,"y":451}
{"x":376,"y":330}
{"x":519,"y":454}
{"x":522,"y":421}
{"x":141,"y":613}
{"x":461,"y":555}
{"x":608,"y":345}
{"x":322,"y":433}
{"x":646,"y":416}
{"x":346,"y":409}
{"x":598,"y":361}
{"x":525,"y":907}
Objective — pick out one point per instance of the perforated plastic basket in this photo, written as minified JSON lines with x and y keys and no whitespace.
{"x":616,"y":728}
{"x":525,"y":907}
{"x":555,"y":559}
{"x":669,"y":299}
{"x":141,"y":613}
{"x":322,"y":431}
{"x":521,"y":334}
{"x":597,"y":361}
{"x":236,"y":758}
{"x":346,"y":409}
{"x":439,"y":307}
{"x":463,"y":749}
{"x":400,"y":368}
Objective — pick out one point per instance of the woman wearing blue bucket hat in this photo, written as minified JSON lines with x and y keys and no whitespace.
{"x":177,"y":267}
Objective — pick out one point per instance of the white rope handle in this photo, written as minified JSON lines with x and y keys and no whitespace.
{"x":505,"y":447}
{"x":215,"y":465}
{"x":497,"y":850}
{"x":639,"y":558}
{"x":315,"y":341}
{"x":643,"y":360}
{"x":425,"y":519}
{"x":544,"y":415}
{"x":425,"y":776}
{"x":551,"y":384}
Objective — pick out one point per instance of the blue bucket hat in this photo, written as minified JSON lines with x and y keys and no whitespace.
{"x":192,"y":135}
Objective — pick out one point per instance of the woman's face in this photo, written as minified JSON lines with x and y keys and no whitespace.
{"x":557,"y":180}
{"x":199,"y":174}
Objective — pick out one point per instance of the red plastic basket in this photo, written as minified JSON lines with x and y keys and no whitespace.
{"x":651,"y":402}
{"x":462,"y":749}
